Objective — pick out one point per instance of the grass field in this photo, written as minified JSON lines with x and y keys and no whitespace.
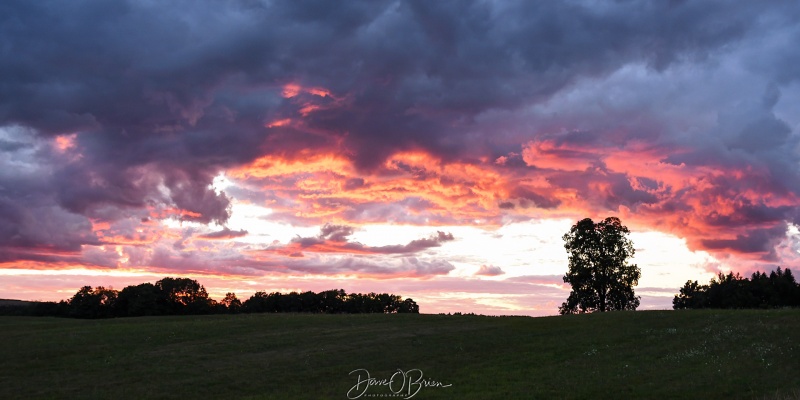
{"x":653,"y":354}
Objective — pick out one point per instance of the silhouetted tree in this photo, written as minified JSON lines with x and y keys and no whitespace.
{"x":140,"y":300}
{"x":388,"y":303}
{"x":408,"y":306}
{"x":310,"y":302}
{"x":332,"y":301}
{"x":231,"y":303}
{"x":358,"y":303}
{"x":779,"y":289}
{"x":599,"y":272}
{"x":184,"y":296}
{"x":257,"y":303}
{"x":93,"y":303}
{"x":762,"y":292}
{"x":692,"y":295}
{"x":291,"y":302}
{"x":729,"y":291}
{"x":786,"y":288}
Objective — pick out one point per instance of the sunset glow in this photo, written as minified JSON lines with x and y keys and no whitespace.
{"x":432,"y":153}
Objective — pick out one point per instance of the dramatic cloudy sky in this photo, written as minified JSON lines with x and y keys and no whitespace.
{"x":432,"y":149}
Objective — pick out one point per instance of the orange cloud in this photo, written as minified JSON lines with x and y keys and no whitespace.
{"x":66,"y":142}
{"x":546,"y":154}
{"x":634,"y":181}
{"x":278,"y":123}
{"x":290,"y":90}
{"x":173,"y":212}
{"x":326,"y":185}
{"x":303,"y":163}
{"x":293,"y":89}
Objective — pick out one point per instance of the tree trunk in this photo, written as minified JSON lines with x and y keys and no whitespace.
{"x":603,"y":283}
{"x":603,"y":298}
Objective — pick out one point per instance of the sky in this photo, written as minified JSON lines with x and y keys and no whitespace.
{"x":433,"y":150}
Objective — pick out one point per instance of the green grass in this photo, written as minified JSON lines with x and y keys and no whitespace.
{"x":654,"y":354}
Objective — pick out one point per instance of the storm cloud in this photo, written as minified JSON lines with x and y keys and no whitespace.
{"x":681,"y":116}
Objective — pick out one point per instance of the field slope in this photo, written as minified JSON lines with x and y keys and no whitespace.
{"x":655,"y":354}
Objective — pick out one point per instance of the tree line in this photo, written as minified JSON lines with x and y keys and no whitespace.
{"x":183,"y":296}
{"x":778,"y":289}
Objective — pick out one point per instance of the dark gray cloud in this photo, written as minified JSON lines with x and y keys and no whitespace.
{"x":32,"y":224}
{"x":334,"y":238}
{"x":415,"y":245}
{"x":754,"y":241}
{"x":528,"y":198}
{"x":225,"y":233}
{"x":335,"y":233}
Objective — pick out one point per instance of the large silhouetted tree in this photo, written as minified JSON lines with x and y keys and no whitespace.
{"x":140,"y":300}
{"x":91,"y":302}
{"x":599,"y":272}
{"x":184,"y":296}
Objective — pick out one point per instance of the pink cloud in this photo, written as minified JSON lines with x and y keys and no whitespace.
{"x":489,"y":270}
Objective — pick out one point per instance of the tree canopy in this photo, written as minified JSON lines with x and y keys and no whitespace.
{"x":599,"y":272}
{"x":778,"y":289}
{"x":180,"y":296}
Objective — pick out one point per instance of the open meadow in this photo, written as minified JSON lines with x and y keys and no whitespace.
{"x":651,"y":354}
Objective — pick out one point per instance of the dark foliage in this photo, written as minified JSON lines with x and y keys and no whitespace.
{"x":230,"y":304}
{"x":140,"y":300}
{"x":33,"y":308}
{"x":91,"y":302}
{"x":599,"y":272}
{"x":779,"y":289}
{"x":330,"y":302}
{"x":182,"y":296}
